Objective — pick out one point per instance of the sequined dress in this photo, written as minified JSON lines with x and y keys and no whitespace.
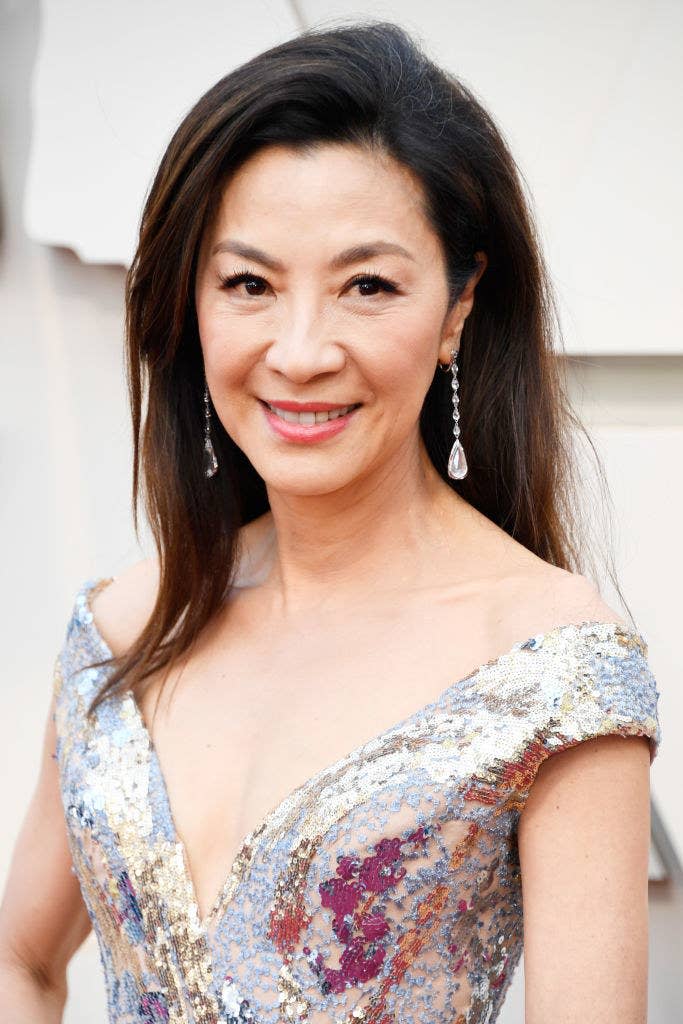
{"x":386,"y":888}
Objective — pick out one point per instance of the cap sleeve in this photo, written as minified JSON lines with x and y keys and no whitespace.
{"x":72,"y":676}
{"x":602,"y":686}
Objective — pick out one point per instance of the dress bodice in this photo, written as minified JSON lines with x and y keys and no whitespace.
{"x":385,"y":889}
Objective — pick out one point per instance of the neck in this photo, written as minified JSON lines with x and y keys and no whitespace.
{"x":381,"y":535}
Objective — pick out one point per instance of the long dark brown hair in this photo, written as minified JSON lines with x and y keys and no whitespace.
{"x":369,"y":84}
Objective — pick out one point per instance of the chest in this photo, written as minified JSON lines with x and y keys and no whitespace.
{"x":256,"y":712}
{"x":396,"y":860}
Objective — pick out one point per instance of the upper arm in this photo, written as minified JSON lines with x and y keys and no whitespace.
{"x":584,"y":837}
{"x":43,"y":919}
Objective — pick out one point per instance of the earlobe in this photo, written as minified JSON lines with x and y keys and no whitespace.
{"x":448,"y":346}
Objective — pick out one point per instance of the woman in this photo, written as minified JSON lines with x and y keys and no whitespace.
{"x":366,"y":630}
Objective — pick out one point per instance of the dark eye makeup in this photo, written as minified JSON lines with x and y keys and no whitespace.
{"x":375,"y":280}
{"x":242,"y":276}
{"x":239,"y":277}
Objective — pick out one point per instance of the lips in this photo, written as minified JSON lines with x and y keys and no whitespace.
{"x":291,"y":406}
{"x":308,"y":418}
{"x":308,"y":425}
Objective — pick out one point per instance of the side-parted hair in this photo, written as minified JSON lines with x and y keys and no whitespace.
{"x":369,"y":84}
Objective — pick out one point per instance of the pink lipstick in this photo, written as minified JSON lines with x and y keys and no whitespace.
{"x":305,"y":433}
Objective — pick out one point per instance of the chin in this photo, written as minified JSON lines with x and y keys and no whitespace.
{"x":306,"y":483}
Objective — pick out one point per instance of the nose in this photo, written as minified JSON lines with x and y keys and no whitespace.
{"x":303,"y":349}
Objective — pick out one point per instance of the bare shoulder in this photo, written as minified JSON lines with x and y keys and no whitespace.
{"x":578,"y":599}
{"x":529,"y":594}
{"x":547,"y":597}
{"x":122,"y":609}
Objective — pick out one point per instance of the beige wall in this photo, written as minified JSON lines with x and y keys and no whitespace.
{"x":586,"y":94}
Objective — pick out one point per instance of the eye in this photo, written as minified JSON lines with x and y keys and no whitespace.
{"x":243,"y":277}
{"x":373,"y":281}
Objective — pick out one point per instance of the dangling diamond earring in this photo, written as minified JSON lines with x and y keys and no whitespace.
{"x":457,"y":463}
{"x":210,"y":460}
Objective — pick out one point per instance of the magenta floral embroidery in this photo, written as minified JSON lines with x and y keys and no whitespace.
{"x":341,"y":897}
{"x":373,"y":926}
{"x":378,"y":873}
{"x":350,"y":894}
{"x":348,"y":867}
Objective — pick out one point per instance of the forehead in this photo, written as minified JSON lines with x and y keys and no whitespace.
{"x":334,"y":188}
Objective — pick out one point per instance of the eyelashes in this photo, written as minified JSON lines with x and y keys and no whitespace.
{"x":241,"y":275}
{"x":375,"y":279}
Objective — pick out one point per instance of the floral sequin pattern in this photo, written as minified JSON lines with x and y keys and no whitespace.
{"x":359,"y":924}
{"x":386,"y":889}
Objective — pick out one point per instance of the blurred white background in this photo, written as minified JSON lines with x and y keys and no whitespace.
{"x":589,"y":98}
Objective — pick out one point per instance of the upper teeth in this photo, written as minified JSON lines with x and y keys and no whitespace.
{"x":309,"y":417}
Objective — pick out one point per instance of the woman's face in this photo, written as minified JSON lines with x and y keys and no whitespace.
{"x":322,"y":283}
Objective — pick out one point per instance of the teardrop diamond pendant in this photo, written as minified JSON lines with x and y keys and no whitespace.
{"x":210,"y":460}
{"x":457,"y":463}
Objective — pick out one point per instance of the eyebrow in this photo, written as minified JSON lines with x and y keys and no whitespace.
{"x":354,"y":254}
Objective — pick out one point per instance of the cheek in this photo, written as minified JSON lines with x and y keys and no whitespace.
{"x":227,"y":353}
{"x":407,"y":365}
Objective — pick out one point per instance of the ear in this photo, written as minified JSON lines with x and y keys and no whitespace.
{"x":455,"y":320}
{"x":449,"y":343}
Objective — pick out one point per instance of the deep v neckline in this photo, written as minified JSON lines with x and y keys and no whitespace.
{"x":220,"y":902}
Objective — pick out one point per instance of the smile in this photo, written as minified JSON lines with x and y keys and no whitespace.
{"x":308,"y":426}
{"x":311,"y":417}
